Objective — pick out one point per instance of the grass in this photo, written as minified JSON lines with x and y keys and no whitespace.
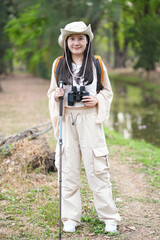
{"x":136,"y":152}
{"x":93,"y":224}
{"x":31,"y":211}
{"x":29,"y":214}
{"x":89,"y":219}
{"x":6,"y":151}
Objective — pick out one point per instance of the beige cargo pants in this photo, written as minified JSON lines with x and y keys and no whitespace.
{"x":85,"y":139}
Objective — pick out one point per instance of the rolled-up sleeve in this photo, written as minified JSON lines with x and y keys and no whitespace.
{"x":104,"y":97}
{"x":53,"y":105}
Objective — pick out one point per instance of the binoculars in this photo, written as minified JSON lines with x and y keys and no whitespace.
{"x":76,"y":96}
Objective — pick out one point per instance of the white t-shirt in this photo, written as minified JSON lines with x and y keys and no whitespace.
{"x":91,"y":88}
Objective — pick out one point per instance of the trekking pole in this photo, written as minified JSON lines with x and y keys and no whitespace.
{"x":60,"y":158}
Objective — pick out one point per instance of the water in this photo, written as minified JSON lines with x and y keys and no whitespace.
{"x":135,"y":114}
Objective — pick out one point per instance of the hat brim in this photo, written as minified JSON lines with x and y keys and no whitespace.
{"x":65,"y":33}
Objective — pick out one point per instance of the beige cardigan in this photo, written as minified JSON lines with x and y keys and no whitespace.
{"x":103,"y":107}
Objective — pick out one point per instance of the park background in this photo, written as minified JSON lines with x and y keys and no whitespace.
{"x":127,"y":37}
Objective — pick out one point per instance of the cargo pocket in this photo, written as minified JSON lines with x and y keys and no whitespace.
{"x":101,"y":163}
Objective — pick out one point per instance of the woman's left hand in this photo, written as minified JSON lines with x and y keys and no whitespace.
{"x":90,"y":101}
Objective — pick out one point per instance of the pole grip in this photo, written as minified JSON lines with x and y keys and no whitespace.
{"x":60,"y":106}
{"x":60,"y":99}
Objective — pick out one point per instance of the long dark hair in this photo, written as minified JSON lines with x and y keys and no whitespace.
{"x":64,"y":73}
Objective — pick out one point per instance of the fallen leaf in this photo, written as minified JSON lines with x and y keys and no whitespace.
{"x":131,"y":228}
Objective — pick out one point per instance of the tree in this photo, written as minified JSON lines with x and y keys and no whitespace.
{"x":5,"y":57}
{"x":145,"y":33}
{"x":147,"y":42}
{"x":34,"y":31}
{"x":119,"y":19}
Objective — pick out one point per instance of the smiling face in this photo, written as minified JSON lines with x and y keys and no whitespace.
{"x":77,"y":44}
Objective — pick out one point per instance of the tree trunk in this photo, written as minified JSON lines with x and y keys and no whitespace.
{"x":1,"y":88}
{"x":120,"y":56}
{"x":109,"y":57}
{"x":146,"y":7}
{"x":30,"y":133}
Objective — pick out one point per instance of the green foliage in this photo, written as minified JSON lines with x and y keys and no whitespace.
{"x":146,"y":42}
{"x":51,"y":212}
{"x":140,"y":152}
{"x":145,"y":34}
{"x":94,"y":224}
{"x":6,"y":151}
{"x":33,"y":29}
{"x":5,"y":57}
{"x":26,"y":33}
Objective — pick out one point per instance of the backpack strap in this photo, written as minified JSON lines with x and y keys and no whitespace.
{"x":100,"y":73}
{"x":99,"y":69}
{"x":57,"y":67}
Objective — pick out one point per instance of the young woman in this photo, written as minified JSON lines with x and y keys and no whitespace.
{"x":83,"y":135}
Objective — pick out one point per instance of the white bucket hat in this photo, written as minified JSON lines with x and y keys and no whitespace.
{"x":75,"y":28}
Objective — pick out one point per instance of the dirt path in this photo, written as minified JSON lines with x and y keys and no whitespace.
{"x":23,"y":103}
{"x":137,"y":200}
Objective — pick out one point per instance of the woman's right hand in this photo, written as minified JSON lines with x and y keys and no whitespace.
{"x":59,"y":93}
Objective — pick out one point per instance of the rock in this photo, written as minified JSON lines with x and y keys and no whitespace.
{"x":10,"y":169}
{"x":131,"y":228}
{"x":118,"y":200}
{"x":4,"y":190}
{"x":8,"y":161}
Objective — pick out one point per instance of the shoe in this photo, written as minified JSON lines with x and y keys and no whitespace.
{"x":111,"y":228}
{"x":69,"y":228}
